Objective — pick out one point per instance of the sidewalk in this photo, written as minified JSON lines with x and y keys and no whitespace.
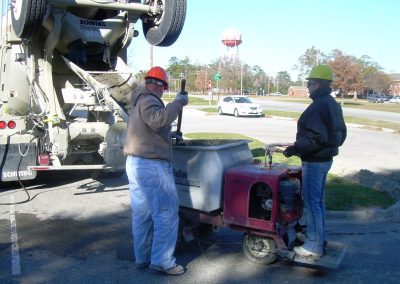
{"x":365,"y":216}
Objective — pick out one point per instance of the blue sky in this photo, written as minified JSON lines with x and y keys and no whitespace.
{"x":276,"y":33}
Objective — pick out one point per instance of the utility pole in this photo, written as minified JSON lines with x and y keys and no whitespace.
{"x":151,"y":56}
{"x":277,"y":83}
{"x":241,"y":78}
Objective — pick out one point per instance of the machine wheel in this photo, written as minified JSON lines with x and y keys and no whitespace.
{"x":220,"y":111}
{"x":165,"y":28}
{"x":236,"y":113}
{"x":27,"y":17}
{"x":259,"y":249}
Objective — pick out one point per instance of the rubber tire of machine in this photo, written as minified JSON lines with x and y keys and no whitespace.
{"x":268,"y":253}
{"x":27,"y":17}
{"x":164,"y":30}
{"x":220,"y":111}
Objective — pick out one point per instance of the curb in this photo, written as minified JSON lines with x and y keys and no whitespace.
{"x":365,"y":216}
{"x":376,"y":128}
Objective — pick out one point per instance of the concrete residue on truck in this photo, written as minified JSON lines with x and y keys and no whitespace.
{"x":65,"y":86}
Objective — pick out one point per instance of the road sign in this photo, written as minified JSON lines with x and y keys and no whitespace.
{"x":217,"y":77}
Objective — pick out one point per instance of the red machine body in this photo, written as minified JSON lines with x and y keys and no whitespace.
{"x":248,"y":187}
{"x":253,"y":197}
{"x":258,"y":200}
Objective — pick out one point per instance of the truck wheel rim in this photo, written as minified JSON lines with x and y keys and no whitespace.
{"x":16,"y":5}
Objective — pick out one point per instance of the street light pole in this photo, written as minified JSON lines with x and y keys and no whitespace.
{"x":277,"y":84}
{"x":241,"y":78}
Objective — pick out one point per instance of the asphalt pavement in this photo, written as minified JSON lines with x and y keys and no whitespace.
{"x":347,"y":111}
{"x":77,"y":230}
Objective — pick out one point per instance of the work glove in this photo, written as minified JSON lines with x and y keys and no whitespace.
{"x":290,"y":151}
{"x":176,"y":135}
{"x":182,"y":97}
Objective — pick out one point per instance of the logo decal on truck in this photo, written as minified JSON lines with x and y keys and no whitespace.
{"x":11,"y":174}
{"x":93,"y":23}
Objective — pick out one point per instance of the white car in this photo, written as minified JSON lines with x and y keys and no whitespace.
{"x":395,"y":99}
{"x":277,"y":94}
{"x":238,"y":106}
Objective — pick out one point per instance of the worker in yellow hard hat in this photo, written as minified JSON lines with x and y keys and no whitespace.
{"x":320,"y":131}
{"x":152,"y":190}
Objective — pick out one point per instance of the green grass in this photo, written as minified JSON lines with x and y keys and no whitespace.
{"x":366,"y":122}
{"x":347,"y":103}
{"x":341,"y":195}
{"x":192,"y":100}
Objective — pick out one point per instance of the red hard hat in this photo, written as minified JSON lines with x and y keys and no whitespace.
{"x":159,"y":74}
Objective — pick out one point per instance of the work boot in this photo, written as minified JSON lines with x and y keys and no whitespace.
{"x":301,"y":251}
{"x":175,"y":270}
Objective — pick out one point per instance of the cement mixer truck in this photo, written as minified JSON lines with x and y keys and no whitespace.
{"x":64,"y":81}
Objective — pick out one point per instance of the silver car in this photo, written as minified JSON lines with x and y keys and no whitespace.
{"x":395,"y":100}
{"x":238,"y":106}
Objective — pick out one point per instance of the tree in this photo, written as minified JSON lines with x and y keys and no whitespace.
{"x":348,"y":73}
{"x":374,"y":80}
{"x":140,"y":75}
{"x":230,"y":73}
{"x":259,"y":77}
{"x":181,"y":69}
{"x":283,"y":82}
{"x":178,"y":68}
{"x":378,"y":82}
{"x":309,"y":59}
{"x":201,"y":83}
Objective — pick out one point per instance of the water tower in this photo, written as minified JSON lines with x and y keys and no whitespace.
{"x":231,"y":39}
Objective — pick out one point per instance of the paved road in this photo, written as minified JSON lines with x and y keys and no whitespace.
{"x":374,"y":151}
{"x":299,"y":107}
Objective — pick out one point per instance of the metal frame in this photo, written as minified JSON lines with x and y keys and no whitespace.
{"x":130,"y":7}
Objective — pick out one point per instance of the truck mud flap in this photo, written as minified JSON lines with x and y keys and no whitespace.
{"x":15,"y":159}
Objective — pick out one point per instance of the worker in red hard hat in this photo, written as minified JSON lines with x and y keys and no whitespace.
{"x":321,"y":130}
{"x":153,"y":194}
{"x":157,"y":74}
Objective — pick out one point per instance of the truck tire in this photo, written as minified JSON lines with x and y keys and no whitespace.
{"x":258,"y":249}
{"x":164,"y":29}
{"x":27,"y":17}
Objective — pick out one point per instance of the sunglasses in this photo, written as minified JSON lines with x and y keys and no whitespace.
{"x":158,"y":83}
{"x":311,"y":83}
{"x":154,"y":81}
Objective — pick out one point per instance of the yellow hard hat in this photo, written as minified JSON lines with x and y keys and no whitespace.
{"x":321,"y":72}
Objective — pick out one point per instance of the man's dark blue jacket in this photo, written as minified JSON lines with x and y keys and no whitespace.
{"x":321,"y":128}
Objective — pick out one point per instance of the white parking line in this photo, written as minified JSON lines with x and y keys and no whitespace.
{"x":15,"y":263}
